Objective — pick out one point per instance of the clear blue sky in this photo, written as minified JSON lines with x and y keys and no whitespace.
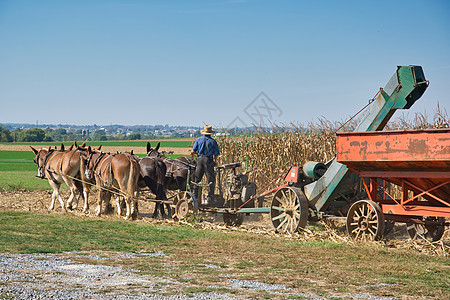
{"x":193,"y":62}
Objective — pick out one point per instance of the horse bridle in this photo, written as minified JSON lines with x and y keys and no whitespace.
{"x":153,"y":151}
{"x":96,"y":162}
{"x":173,"y":162}
{"x":46,"y":158}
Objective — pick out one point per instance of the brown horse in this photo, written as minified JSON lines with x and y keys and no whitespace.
{"x":72,"y":161}
{"x":114,"y":174}
{"x":52,"y":164}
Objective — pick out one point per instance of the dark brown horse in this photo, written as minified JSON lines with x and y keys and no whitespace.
{"x":152,"y":175}
{"x":178,"y":169}
{"x":114,"y":174}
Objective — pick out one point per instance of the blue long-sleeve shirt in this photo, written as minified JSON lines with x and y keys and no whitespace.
{"x":211,"y":148}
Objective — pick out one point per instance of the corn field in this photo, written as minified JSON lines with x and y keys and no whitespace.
{"x":268,"y":154}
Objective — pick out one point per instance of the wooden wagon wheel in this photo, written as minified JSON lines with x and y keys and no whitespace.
{"x":233,"y":219}
{"x":184,"y":203}
{"x":365,"y":221}
{"x":429,"y":232}
{"x":289,"y":210}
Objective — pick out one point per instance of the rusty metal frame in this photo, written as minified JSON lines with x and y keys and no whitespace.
{"x":418,"y":208}
{"x":406,"y":183}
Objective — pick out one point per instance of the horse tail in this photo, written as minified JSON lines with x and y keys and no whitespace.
{"x":160,"y":172}
{"x":133,"y":176}
{"x":160,"y":167}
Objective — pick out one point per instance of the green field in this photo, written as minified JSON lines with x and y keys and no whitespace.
{"x":18,"y":171}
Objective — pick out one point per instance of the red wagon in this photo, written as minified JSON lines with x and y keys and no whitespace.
{"x":417,"y":162}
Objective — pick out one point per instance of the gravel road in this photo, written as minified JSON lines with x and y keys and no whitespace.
{"x":59,"y":276}
{"x":56,"y":276}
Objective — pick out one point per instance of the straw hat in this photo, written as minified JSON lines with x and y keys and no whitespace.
{"x":207,"y":130}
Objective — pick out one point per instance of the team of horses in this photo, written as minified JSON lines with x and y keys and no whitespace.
{"x":122,"y":175}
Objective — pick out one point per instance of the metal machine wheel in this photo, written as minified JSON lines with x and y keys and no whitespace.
{"x":184,"y":203}
{"x":365,"y":221}
{"x":430,"y":232}
{"x":289,"y":210}
{"x":231,"y":219}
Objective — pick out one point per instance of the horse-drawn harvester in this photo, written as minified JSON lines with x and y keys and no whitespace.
{"x":417,"y":161}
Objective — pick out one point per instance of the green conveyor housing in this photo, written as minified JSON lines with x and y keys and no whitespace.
{"x":404,"y":88}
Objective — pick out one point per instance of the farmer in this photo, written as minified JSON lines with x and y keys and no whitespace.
{"x":207,"y":150}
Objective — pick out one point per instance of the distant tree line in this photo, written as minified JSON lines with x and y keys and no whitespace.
{"x":62,"y":135}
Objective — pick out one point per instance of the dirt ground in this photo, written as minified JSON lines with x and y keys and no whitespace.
{"x":39,"y":201}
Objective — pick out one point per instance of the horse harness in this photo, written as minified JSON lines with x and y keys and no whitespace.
{"x":98,"y":165}
{"x":173,"y":162}
{"x":47,"y":159}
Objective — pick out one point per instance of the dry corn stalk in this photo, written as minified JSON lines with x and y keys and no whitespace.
{"x":268,"y":154}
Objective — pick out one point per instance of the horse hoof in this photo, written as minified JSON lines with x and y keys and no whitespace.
{"x":69,"y":207}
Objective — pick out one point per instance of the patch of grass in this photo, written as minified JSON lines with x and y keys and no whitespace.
{"x":34,"y":233}
{"x":23,"y":180}
{"x":18,"y":172}
{"x":298,"y":297}
{"x":314,"y":226}
{"x":318,"y":244}
{"x":194,"y":218}
{"x":244,"y":264}
{"x":17,"y":161}
{"x":321,"y":268}
{"x":17,"y":155}
{"x":105,"y":290}
{"x":197,"y":290}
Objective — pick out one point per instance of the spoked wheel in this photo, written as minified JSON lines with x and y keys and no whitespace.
{"x":184,"y":203}
{"x":429,"y":232}
{"x":289,"y":210}
{"x":365,"y":221}
{"x":233,"y":219}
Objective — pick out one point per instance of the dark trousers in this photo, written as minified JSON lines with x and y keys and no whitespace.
{"x":205,"y":164}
